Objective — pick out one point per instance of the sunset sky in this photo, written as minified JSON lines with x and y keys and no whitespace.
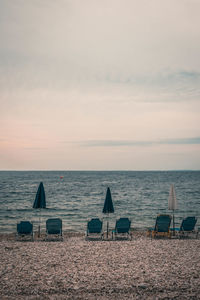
{"x":99,"y":85}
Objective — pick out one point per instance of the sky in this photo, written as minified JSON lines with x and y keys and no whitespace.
{"x":99,"y":85}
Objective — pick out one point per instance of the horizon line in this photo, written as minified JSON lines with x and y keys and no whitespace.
{"x":101,"y":170}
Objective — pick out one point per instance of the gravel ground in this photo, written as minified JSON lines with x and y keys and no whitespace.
{"x":77,"y":269}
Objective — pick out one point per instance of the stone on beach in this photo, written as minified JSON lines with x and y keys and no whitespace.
{"x":77,"y":269}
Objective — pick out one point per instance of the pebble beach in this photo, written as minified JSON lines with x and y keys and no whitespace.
{"x":141,"y":268}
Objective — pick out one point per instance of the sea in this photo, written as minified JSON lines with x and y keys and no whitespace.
{"x":78,"y":196}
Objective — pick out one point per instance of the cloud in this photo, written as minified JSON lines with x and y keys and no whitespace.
{"x":123,"y":143}
{"x":181,"y":141}
{"x":189,"y":74}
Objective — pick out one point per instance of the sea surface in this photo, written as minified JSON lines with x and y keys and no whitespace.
{"x":77,"y":196}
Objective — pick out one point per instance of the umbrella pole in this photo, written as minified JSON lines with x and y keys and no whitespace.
{"x":107,"y":228}
{"x":39,"y":223}
{"x":173,"y":225}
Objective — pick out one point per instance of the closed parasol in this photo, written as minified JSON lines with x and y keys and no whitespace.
{"x":108,"y":206}
{"x":172,"y":203}
{"x":40,"y":201}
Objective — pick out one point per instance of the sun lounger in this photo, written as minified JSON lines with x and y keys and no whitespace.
{"x":54,"y":229}
{"x":188,"y":227}
{"x":24,"y":231}
{"x":94,"y":228}
{"x":162,"y":226}
{"x":122,"y":228}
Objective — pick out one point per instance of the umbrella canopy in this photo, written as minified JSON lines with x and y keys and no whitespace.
{"x":108,"y":204}
{"x":40,"y":199}
{"x":40,"y":202}
{"x":172,"y":202}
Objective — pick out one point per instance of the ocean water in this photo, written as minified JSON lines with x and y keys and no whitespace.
{"x":80,"y":195}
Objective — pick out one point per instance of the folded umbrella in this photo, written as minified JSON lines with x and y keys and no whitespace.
{"x":40,"y":201}
{"x":108,"y":206}
{"x":172,"y":204}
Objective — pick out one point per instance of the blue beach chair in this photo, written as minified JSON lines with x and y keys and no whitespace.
{"x":24,"y":231}
{"x":122,"y":228}
{"x":94,"y":228}
{"x":54,"y":229}
{"x":162,"y":226}
{"x":188,"y":227}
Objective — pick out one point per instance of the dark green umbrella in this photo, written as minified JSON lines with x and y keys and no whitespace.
{"x":40,"y":201}
{"x":108,"y":206}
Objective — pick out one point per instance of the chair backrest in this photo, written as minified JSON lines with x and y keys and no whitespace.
{"x":94,"y":226}
{"x":163,"y":223}
{"x":123,"y":225}
{"x":188,"y":224}
{"x":54,"y":226}
{"x":24,"y":227}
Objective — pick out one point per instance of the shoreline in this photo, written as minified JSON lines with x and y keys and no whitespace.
{"x":141,"y":268}
{"x":66,"y":235}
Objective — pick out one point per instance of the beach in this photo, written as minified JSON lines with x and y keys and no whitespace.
{"x":141,"y":268}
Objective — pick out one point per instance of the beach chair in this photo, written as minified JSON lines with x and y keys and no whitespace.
{"x":188,"y":227}
{"x":162,"y":226}
{"x":24,"y":231}
{"x":54,"y":229}
{"x":94,"y":228}
{"x":122,"y":228}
